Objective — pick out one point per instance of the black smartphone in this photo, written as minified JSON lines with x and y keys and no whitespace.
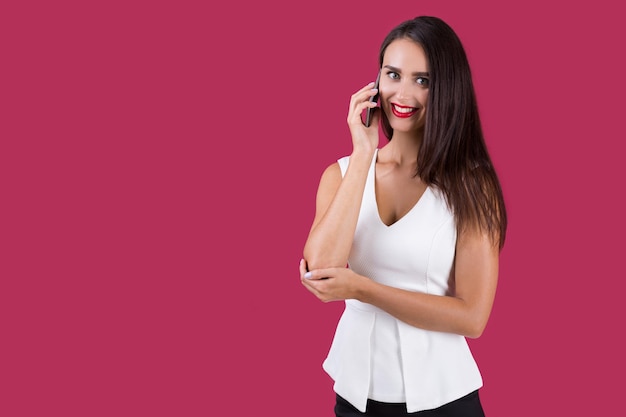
{"x":373,"y":99}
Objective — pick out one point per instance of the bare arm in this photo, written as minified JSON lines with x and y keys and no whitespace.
{"x":339,"y":199}
{"x":466,"y":312}
{"x":337,"y":209}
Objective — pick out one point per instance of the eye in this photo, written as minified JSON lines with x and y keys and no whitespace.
{"x":423,"y":81}
{"x":393,"y":75}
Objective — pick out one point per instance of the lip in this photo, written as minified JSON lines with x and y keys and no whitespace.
{"x":403,"y":115}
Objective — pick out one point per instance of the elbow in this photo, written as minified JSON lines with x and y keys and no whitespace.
{"x":474,"y":334}
{"x":317,"y":258}
{"x":309,"y":256}
{"x":475,"y":328}
{"x":318,"y":261}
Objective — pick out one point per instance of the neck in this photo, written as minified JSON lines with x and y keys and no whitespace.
{"x":403,"y":148}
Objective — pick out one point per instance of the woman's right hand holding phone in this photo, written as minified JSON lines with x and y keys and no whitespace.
{"x":364,"y":139}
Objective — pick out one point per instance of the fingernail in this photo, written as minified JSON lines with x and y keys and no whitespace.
{"x":308,"y":275}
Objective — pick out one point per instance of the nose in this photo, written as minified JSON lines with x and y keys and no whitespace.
{"x":404,"y":89}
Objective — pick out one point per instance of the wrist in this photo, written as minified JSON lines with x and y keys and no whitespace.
{"x":364,"y":289}
{"x":360,"y":155}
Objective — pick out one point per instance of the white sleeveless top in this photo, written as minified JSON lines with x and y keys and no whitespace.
{"x":374,"y":355}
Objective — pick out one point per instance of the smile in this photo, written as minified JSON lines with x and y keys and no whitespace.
{"x":403,"y":111}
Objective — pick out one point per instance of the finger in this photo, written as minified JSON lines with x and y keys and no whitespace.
{"x":315,"y":274}
{"x":362,"y":95}
{"x":303,"y":268}
{"x":307,"y":285}
{"x":320,"y":290}
{"x":316,"y":286}
{"x":311,"y":287}
{"x":354,"y":116}
{"x":366,"y":87}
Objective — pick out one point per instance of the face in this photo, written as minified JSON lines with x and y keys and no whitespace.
{"x":404,"y":85}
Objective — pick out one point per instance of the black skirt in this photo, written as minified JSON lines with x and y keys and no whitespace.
{"x":468,"y":406}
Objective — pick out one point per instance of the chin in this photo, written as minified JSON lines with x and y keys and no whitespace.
{"x":404,"y":127}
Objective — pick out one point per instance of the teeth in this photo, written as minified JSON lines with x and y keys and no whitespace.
{"x":404,"y":109}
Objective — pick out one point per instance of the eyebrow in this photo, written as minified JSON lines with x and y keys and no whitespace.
{"x":415,"y":74}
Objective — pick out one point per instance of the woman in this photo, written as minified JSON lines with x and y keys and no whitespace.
{"x":420,"y":223}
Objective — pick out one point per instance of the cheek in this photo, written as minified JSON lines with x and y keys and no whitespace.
{"x":387,"y":88}
{"x":423,"y":97}
{"x":384,"y":98}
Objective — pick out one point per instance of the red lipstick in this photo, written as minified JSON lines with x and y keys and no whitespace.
{"x":403,"y":111}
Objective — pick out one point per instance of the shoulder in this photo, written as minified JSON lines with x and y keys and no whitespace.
{"x":331,"y":178}
{"x":333,"y":173}
{"x":336,"y":170}
{"x":329,"y":184}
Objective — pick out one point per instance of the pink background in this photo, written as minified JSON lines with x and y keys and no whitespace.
{"x":159,"y":162}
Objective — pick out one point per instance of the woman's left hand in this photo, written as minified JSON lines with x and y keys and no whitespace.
{"x":331,"y":284}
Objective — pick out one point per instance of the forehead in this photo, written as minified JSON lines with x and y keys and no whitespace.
{"x":406,"y":54}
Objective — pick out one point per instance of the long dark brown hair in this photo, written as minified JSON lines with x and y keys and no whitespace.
{"x":453,"y":155}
